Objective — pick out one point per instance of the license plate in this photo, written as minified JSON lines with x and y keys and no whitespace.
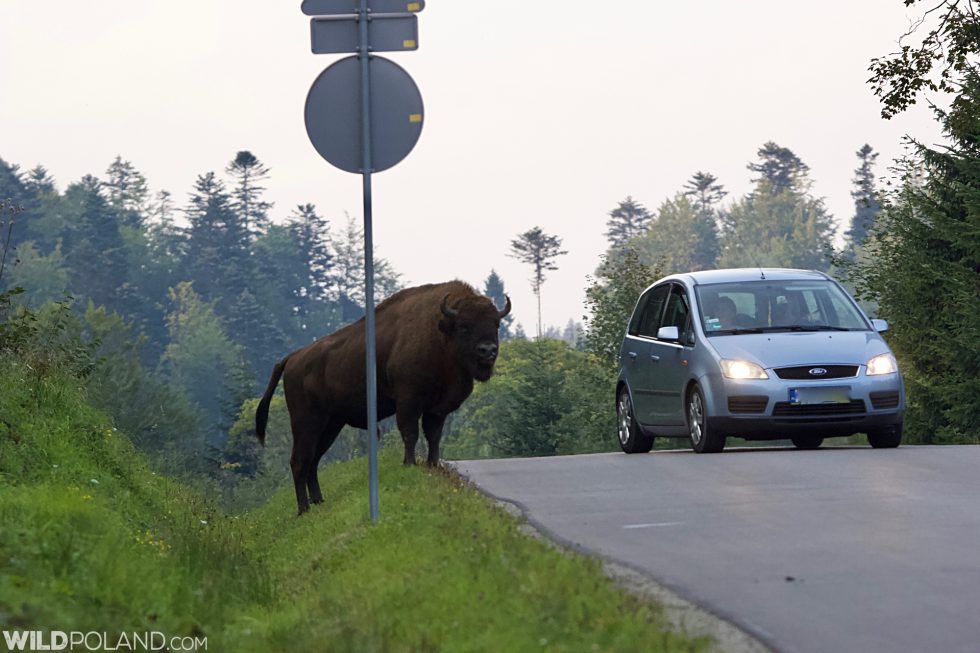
{"x":832,"y":395}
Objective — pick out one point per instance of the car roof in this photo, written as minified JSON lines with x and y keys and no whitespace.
{"x":745,"y":274}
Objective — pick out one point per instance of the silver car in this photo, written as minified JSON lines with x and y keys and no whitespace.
{"x":759,"y":354}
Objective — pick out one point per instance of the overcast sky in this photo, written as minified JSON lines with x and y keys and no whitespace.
{"x":538,"y":112}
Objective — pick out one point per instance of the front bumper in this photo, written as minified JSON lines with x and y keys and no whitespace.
{"x":761,"y":409}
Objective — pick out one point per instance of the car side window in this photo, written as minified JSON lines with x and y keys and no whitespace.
{"x":678,"y":312}
{"x":649,"y":318}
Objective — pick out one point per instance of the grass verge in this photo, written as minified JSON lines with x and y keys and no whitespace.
{"x":92,"y":539}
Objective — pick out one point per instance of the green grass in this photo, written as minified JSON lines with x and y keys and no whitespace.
{"x":92,"y":539}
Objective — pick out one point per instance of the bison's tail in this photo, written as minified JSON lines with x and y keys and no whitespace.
{"x":262,"y":412}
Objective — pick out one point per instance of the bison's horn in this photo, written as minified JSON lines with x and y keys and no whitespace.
{"x":444,"y":307}
{"x":504,"y":313}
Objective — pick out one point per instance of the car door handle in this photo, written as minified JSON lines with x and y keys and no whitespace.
{"x":654,"y":358}
{"x":631,"y":354}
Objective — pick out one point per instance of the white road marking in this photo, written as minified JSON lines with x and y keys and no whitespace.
{"x":653,"y":525}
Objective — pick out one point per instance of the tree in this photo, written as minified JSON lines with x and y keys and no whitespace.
{"x":609,"y":301}
{"x":493,"y":287}
{"x":779,"y":224}
{"x":312,"y":235}
{"x":127,"y":192}
{"x":866,"y":204}
{"x":706,"y":193}
{"x":348,"y":280}
{"x":779,"y":170}
{"x":899,"y":78}
{"x":217,"y":245}
{"x":539,"y":250}
{"x":680,"y":239}
{"x":94,"y":249}
{"x":923,"y":269}
{"x":626,"y":222}
{"x":202,"y":361}
{"x":252,"y":210}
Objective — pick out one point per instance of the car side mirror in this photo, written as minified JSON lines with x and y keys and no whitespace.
{"x":879,"y":325}
{"x":668,"y":333}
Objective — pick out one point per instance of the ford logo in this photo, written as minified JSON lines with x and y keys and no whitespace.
{"x":817,"y":371}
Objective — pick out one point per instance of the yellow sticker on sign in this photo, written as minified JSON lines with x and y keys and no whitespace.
{"x":415,"y":117}
{"x":408,"y":44}
{"x":413,"y":6}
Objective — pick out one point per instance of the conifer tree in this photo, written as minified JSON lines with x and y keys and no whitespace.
{"x":866,"y":204}
{"x":95,"y":254}
{"x":249,"y":173}
{"x":537,"y":249}
{"x":493,"y":287}
{"x":627,"y":221}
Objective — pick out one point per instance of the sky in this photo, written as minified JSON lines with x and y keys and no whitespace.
{"x":537,"y":113}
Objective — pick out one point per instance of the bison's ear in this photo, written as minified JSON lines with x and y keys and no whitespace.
{"x":448,"y":322}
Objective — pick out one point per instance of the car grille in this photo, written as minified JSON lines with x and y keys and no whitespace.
{"x":786,"y":409}
{"x":748,"y":404}
{"x":884,"y":399}
{"x":803,"y":372}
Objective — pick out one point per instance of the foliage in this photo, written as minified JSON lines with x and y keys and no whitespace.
{"x":924,"y":272}
{"x":544,"y":398}
{"x":681,"y":238}
{"x":950,"y":45}
{"x":537,"y":249}
{"x":626,"y":222}
{"x":780,"y":224}
{"x":610,"y":298}
{"x":866,"y":204}
{"x":493,"y":287}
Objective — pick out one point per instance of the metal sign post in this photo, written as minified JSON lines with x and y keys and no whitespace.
{"x":389,"y":122}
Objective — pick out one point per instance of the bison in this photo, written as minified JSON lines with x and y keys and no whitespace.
{"x":432,"y":342}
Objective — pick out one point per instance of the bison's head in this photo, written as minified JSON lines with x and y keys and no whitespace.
{"x":473,"y":325}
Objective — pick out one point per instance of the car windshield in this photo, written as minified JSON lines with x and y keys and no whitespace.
{"x":768,"y":306}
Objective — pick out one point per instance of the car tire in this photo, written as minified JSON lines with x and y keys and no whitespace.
{"x":887,"y":438}
{"x":703,"y":439}
{"x":807,"y":441}
{"x":631,"y":437}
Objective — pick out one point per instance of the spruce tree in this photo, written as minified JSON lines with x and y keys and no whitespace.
{"x":493,"y":287}
{"x":249,"y":173}
{"x":95,"y":251}
{"x":866,"y":204}
{"x":779,"y":170}
{"x":627,"y":221}
{"x":127,"y":192}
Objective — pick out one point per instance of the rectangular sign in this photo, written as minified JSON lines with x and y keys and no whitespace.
{"x":386,"y":33}
{"x":820,"y":395}
{"x":338,"y":7}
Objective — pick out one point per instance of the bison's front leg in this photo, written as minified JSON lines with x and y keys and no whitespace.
{"x":407,"y":417}
{"x":432,"y":426}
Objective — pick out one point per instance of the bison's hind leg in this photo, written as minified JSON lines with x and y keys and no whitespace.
{"x":407,"y":416}
{"x":327,"y":438}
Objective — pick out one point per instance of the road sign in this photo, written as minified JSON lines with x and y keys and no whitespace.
{"x":335,"y":7}
{"x":386,"y":33}
{"x":333,"y":114}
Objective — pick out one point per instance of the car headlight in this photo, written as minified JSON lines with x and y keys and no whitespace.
{"x":735,"y":369}
{"x":882,"y":364}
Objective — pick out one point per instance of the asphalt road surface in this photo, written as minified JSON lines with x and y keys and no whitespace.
{"x":835,"y":550}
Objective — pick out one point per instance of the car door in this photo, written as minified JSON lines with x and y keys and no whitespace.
{"x":670,"y":360}
{"x":639,"y":369}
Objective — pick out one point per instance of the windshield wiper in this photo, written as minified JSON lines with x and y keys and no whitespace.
{"x":736,"y":331}
{"x":808,"y":327}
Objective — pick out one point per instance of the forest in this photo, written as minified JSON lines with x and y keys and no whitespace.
{"x":173,"y":310}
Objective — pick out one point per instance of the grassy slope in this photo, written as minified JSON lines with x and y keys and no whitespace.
{"x":91,"y":539}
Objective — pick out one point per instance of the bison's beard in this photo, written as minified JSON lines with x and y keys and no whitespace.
{"x":484,"y":370}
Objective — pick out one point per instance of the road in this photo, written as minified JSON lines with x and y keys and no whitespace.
{"x":848,"y":550}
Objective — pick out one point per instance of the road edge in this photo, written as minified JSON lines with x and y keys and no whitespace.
{"x":681,"y":613}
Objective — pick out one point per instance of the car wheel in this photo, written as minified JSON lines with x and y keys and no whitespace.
{"x":631,"y":437}
{"x":703,"y":439}
{"x":807,"y":441}
{"x":887,"y":438}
